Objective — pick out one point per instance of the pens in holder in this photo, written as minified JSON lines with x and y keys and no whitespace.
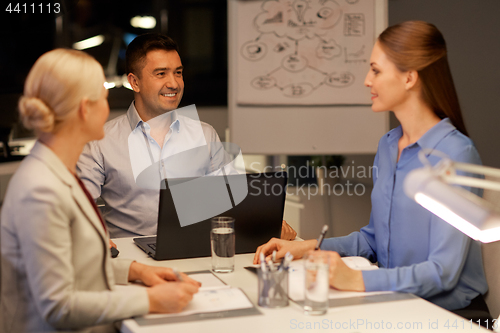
{"x":321,"y":237}
{"x":273,"y":284}
{"x":178,"y":275}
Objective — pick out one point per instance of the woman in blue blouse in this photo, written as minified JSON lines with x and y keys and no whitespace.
{"x":417,"y":251}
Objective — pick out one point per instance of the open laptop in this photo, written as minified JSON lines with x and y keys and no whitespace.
{"x":258,"y":218}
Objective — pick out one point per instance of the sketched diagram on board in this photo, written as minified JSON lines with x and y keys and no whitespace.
{"x":304,"y":51}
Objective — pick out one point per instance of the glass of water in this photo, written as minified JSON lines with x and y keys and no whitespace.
{"x":222,"y":241}
{"x":317,"y":284}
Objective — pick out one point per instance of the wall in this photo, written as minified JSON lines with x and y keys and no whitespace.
{"x":472,"y":34}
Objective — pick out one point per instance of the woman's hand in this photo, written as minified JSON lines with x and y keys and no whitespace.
{"x":170,"y":297}
{"x":155,"y":275}
{"x":297,"y":249}
{"x":112,"y":244}
{"x":342,"y":277}
{"x":287,"y":232}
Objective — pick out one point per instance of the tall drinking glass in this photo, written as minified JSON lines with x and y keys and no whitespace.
{"x":222,"y":240}
{"x":317,"y":286}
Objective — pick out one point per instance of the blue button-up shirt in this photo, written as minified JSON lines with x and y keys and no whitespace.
{"x":417,"y":251}
{"x":111,"y":168}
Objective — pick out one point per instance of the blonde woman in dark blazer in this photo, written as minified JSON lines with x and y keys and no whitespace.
{"x":57,"y":273}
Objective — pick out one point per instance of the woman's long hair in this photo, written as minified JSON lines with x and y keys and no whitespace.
{"x":420,"y":46}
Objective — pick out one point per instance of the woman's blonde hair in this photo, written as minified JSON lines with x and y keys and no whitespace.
{"x":55,"y":86}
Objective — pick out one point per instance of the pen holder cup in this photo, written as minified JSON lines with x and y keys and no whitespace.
{"x":273,"y":288}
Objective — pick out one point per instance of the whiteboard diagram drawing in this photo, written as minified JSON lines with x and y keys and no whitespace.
{"x":310,"y":52}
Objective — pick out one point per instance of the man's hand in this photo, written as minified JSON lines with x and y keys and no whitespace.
{"x":170,"y":297}
{"x":342,"y":277}
{"x":154,"y":275}
{"x":287,"y":232}
{"x":112,"y":244}
{"x":297,"y":249}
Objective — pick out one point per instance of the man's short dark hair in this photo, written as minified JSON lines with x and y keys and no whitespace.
{"x":141,"y":45}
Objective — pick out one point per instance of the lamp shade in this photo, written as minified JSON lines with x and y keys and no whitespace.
{"x":465,"y":211}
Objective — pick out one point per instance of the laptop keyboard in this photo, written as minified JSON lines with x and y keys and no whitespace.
{"x":152,"y":246}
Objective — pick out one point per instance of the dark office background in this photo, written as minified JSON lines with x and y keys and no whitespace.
{"x":472,"y":34}
{"x":198,"y":26}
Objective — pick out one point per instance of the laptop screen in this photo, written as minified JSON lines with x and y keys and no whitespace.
{"x":258,"y":214}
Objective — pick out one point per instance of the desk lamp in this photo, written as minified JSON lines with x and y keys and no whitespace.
{"x":430,"y":186}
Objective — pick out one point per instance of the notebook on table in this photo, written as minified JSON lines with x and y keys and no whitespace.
{"x":214,"y":300}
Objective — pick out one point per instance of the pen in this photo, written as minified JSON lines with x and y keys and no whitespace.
{"x":178,"y":275}
{"x":265,"y":277}
{"x":263,"y":262}
{"x":286,"y":261}
{"x":321,"y":237}
{"x":273,"y":259}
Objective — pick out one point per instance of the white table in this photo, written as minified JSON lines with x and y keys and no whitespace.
{"x":410,"y":315}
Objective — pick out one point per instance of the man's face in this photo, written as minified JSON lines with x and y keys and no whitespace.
{"x":160,"y":86}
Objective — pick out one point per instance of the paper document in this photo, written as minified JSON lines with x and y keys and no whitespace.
{"x":213,"y":296}
{"x":359,"y":263}
{"x":213,"y":299}
{"x":297,"y":280}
